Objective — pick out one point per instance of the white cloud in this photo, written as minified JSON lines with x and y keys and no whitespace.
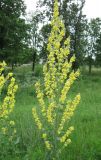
{"x":92,"y":8}
{"x":31,"y":5}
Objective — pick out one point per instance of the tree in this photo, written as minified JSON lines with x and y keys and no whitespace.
{"x":45,"y":31}
{"x":34,"y":37}
{"x":98,"y":49}
{"x":93,"y":30}
{"x":13,"y":30}
{"x":77,"y":24}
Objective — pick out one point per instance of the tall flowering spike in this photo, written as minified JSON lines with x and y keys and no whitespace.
{"x":55,"y":109}
{"x":57,"y":65}
{"x":9,"y":100}
{"x":7,"y":105}
{"x":40,"y":98}
{"x":55,"y":57}
{"x":68,"y":112}
{"x":37,"y":120}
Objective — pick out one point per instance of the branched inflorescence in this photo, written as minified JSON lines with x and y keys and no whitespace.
{"x":8,"y":102}
{"x":58,"y":78}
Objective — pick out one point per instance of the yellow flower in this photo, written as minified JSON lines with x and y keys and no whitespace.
{"x":66,"y":135}
{"x":4,"y":130}
{"x":67,"y":142}
{"x":14,"y":131}
{"x":44,"y":135}
{"x":10,"y":75}
{"x":48,"y":145}
{"x":12,"y":123}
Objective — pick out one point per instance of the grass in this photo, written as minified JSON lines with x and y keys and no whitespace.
{"x":86,"y":139}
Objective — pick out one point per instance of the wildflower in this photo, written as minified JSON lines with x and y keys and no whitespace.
{"x":68,"y":112}
{"x":12,"y":123}
{"x":48,"y":145}
{"x":10,"y":75}
{"x":68,"y":84}
{"x":50,"y":116}
{"x":14,"y":131}
{"x":37,"y":120}
{"x":4,"y":130}
{"x":67,"y":142}
{"x":44,"y":135}
{"x":8,"y":103}
{"x":40,"y":97}
{"x":66,"y":135}
{"x":52,"y":96}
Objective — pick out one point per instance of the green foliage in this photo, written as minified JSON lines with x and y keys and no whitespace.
{"x":93,"y":30}
{"x":86,"y":142}
{"x":45,"y":31}
{"x":98,"y":54}
{"x":34,"y":38}
{"x":13,"y":30}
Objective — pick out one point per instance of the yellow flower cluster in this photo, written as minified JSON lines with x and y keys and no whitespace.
{"x":68,"y":112}
{"x":2,"y":79}
{"x":7,"y":106}
{"x":37,"y":120}
{"x":57,"y":81}
{"x":66,"y":135}
{"x":4,"y":130}
{"x":68,"y":84}
{"x":12,"y":123}
{"x":40,"y":127}
{"x":50,"y":114}
{"x":9,"y":100}
{"x":68,"y":141}
{"x":47,"y":143}
{"x":66,"y":66}
{"x":40,"y":97}
{"x":64,"y":139}
{"x":2,"y":66}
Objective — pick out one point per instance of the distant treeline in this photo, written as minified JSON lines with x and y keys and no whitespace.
{"x":24,"y":41}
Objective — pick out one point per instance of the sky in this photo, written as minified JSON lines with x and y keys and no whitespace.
{"x":92,"y":7}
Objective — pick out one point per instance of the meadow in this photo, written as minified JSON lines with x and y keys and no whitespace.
{"x":86,"y":138}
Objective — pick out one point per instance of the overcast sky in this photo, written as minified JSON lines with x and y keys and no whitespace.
{"x":92,"y":7}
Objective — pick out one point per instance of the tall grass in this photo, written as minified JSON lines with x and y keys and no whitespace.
{"x":86,"y":139}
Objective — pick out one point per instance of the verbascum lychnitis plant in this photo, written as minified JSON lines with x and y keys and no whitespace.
{"x":7,"y":102}
{"x":56,"y":109}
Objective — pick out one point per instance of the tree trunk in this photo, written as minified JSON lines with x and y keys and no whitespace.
{"x":90,"y":68}
{"x":12,"y":66}
{"x":90,"y":64}
{"x":75,"y":65}
{"x":34,"y":60}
